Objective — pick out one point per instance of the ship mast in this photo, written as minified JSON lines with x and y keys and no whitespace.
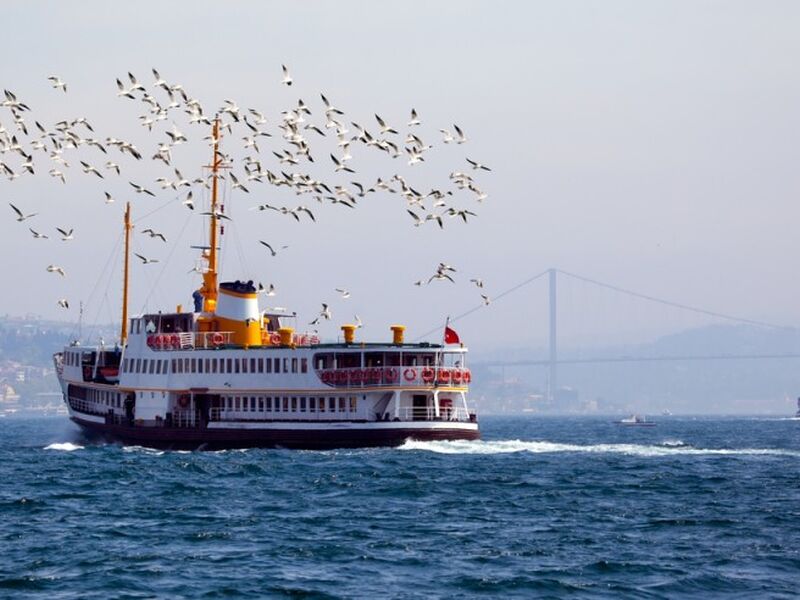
{"x":123,"y":334}
{"x":209,"y":288}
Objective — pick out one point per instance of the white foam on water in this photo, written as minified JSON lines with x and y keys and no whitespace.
{"x":64,"y":447}
{"x":143,"y":450}
{"x":543,"y":447}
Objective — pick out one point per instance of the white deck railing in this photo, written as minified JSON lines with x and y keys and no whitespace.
{"x":396,"y":376}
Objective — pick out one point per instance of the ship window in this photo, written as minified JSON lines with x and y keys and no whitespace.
{"x":193,"y":368}
{"x":252,"y":404}
{"x":174,"y":365}
{"x":353,"y":404}
{"x":236,"y":403}
{"x":294,"y":365}
{"x":199,"y":365}
{"x":152,"y":368}
{"x":322,"y":405}
{"x":261,"y":404}
{"x":304,"y":365}
{"x":230,"y":366}
{"x":294,"y":404}
{"x":312,"y":404}
{"x":260,"y":365}
{"x":323,"y":361}
{"x":252,"y":365}
{"x":302,"y":404}
{"x":229,"y":403}
{"x":138,"y":367}
{"x":285,"y":404}
{"x":332,"y":404}
{"x":276,"y":365}
{"x":285,"y":365}
{"x":236,"y":366}
{"x":213,"y":365}
{"x":221,"y":365}
{"x":244,"y":365}
{"x":342,"y":405}
{"x":268,"y":365}
{"x":268,"y":400}
{"x":158,"y":367}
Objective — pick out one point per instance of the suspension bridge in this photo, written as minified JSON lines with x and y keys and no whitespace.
{"x":553,"y":359}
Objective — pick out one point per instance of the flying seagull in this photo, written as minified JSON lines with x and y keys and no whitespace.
{"x":146,"y":261}
{"x":20,"y":216}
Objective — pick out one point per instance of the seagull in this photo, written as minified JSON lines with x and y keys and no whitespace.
{"x":112,"y":166}
{"x":109,"y":198}
{"x":384,"y":127}
{"x":187,"y":202}
{"x":340,"y":166}
{"x":144,"y":260}
{"x":270,"y":291}
{"x":477,"y":282}
{"x":358,"y":323}
{"x":87,"y":168}
{"x":325,"y":313}
{"x":65,"y":235}
{"x":63,"y":303}
{"x":20,"y":216}
{"x":477,"y":165}
{"x":448,"y":137}
{"x":141,"y":189}
{"x":461,"y":137}
{"x":414,"y":120}
{"x":345,"y":294}
{"x":56,"y":269}
{"x":417,"y":220}
{"x":217,"y":214}
{"x":269,"y":247}
{"x":287,"y":79}
{"x":329,"y":108}
{"x":154,"y":234}
{"x":486,"y":299}
{"x":37,"y":235}
{"x":57,"y":83}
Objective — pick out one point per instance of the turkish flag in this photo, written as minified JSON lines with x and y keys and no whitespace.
{"x":450,"y":336}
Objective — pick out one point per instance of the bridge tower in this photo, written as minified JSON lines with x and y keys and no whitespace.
{"x":552,"y":380}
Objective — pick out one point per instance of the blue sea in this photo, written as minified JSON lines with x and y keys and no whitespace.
{"x":541,"y":507}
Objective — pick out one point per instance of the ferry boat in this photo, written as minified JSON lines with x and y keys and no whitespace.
{"x":229,"y":375}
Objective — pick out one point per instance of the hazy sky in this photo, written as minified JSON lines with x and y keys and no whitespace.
{"x":648,"y":144}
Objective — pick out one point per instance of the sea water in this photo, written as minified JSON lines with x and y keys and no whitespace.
{"x":541,"y":507}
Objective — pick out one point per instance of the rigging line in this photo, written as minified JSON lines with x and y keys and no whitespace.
{"x":76,"y":326}
{"x":169,"y":257}
{"x":155,"y":210}
{"x":483,"y":305}
{"x":674,"y":304}
{"x":103,"y":303}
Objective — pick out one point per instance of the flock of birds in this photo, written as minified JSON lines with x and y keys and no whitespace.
{"x":27,"y":143}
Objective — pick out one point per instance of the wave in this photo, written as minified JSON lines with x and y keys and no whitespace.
{"x":64,"y":447}
{"x":544,"y":447}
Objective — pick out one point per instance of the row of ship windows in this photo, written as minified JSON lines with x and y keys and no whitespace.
{"x":290,"y":404}
{"x":215,"y":365}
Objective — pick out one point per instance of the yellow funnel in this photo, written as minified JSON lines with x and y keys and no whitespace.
{"x":397,"y":334}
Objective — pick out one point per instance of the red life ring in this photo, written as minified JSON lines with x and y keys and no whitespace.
{"x":444,"y":375}
{"x":355,"y":376}
{"x":341,"y":376}
{"x":275,"y":338}
{"x":427,"y":374}
{"x":410,"y":374}
{"x":456,"y":375}
{"x":151,"y":340}
{"x":217,"y":338}
{"x":467,"y":376}
{"x":390,"y":375}
{"x":183,"y":401}
{"x":175,"y":341}
{"x":327,"y":376}
{"x":374,"y":375}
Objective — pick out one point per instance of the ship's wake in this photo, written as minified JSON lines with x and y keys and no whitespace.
{"x":544,"y":447}
{"x":64,"y":447}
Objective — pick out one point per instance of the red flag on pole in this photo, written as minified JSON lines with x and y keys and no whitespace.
{"x":450,"y":336}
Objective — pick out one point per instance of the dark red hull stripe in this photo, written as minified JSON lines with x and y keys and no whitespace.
{"x":216,"y":439}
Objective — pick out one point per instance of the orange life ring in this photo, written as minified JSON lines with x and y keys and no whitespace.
{"x":183,"y":401}
{"x":175,"y":341}
{"x":427,"y":374}
{"x":217,"y":338}
{"x":410,"y":374}
{"x":275,"y":338}
{"x":457,"y":375}
{"x":390,"y":375}
{"x":444,"y":375}
{"x":467,"y":376}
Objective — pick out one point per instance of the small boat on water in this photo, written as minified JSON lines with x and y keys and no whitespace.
{"x":636,"y":421}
